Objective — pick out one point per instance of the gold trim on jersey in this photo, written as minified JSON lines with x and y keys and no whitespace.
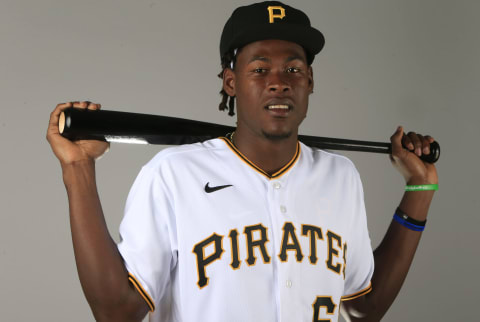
{"x":357,"y":294}
{"x":277,"y":174}
{"x":142,"y":291}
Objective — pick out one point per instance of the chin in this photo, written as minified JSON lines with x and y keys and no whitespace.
{"x":277,"y":136}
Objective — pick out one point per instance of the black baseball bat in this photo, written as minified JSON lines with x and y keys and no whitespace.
{"x":115,"y":126}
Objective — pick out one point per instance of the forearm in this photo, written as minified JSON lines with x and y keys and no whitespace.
{"x":393,"y":258}
{"x":100,"y":267}
{"x":394,"y":255}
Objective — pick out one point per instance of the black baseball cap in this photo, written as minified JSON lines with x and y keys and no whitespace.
{"x":270,"y":20}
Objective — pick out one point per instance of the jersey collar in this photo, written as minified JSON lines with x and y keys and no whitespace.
{"x":275,"y":175}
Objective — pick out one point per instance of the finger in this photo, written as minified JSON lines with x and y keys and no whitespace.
{"x":91,"y":106}
{"x":407,"y":143}
{"x":60,"y":107}
{"x":416,"y":142}
{"x":83,"y":104}
{"x":429,"y":138}
{"x":54,"y":116}
{"x":396,"y":140}
{"x":425,"y":144}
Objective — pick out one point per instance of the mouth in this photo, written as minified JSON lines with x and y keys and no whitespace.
{"x":279,"y":109}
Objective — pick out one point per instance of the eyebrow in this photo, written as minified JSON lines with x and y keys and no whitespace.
{"x":261,"y":58}
{"x":268,"y":60}
{"x":295,"y":57}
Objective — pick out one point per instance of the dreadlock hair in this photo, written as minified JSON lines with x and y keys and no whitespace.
{"x":228,"y":61}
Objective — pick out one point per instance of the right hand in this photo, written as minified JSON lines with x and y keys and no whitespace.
{"x":67,"y":151}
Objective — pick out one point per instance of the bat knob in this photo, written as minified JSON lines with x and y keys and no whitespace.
{"x":434,"y":153}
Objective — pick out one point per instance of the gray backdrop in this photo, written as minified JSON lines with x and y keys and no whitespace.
{"x":385,"y":63}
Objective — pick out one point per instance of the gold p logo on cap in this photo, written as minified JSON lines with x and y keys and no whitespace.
{"x":272,"y":15}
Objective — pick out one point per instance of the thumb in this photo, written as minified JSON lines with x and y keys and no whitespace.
{"x":396,"y":140}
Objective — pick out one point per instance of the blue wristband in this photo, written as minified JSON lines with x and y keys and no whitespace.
{"x":410,"y":223}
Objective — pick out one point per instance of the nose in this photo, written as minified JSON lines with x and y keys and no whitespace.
{"x":277,"y":82}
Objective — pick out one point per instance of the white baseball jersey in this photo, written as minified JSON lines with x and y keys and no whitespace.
{"x":208,"y":236}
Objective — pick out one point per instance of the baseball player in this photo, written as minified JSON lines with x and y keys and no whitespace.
{"x":253,"y":226}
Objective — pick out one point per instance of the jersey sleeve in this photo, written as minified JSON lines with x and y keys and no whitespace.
{"x":147,"y":236}
{"x":359,"y":255}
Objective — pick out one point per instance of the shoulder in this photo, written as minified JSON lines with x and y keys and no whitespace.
{"x":184,"y":153}
{"x":330,"y":168}
{"x":318,"y":158}
{"x":175,"y":162}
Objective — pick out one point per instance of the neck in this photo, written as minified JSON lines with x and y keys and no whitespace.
{"x":269,"y":154}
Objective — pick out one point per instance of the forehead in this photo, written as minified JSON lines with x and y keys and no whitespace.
{"x":271,"y":49}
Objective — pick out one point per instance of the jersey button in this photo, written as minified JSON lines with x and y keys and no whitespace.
{"x":283,"y":209}
{"x":288,"y":284}
{"x":277,"y":185}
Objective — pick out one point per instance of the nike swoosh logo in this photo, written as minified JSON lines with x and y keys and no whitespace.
{"x":209,"y":189}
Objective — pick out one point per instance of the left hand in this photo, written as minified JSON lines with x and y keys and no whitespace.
{"x":406,"y":160}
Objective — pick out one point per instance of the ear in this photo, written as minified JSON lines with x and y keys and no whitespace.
{"x":229,"y":81}
{"x":310,"y":78}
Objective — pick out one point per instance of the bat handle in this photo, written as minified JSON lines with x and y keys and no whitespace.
{"x":429,"y":158}
{"x":434,"y":153}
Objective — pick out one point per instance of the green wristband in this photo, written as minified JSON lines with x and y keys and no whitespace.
{"x":422,"y":187}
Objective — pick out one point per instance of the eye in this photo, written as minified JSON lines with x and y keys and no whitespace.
{"x":259,"y":70}
{"x":293,"y":70}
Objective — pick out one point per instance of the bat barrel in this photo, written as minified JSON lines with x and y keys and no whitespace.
{"x":84,"y":124}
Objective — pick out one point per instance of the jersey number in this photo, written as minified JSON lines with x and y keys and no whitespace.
{"x":325,"y":302}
